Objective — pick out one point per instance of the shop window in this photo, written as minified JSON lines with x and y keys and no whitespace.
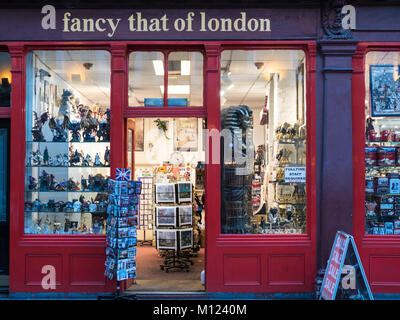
{"x":382,"y":134}
{"x":263,"y":133}
{"x":147,"y":79}
{"x":67,"y":141}
{"x":5,"y":78}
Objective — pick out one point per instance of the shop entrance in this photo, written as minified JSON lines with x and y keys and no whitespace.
{"x":167,"y":156}
{"x":4,"y":195}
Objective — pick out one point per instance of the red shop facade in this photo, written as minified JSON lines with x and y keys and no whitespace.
{"x":310,"y":66}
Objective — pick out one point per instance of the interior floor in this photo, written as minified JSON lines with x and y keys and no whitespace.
{"x":150,"y":277}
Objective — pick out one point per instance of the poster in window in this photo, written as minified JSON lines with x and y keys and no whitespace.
{"x":385,"y":90}
{"x":185,"y":135}
{"x":139,"y":134}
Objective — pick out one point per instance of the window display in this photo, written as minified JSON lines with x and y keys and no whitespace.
{"x":5,"y":79}
{"x":382,"y":136}
{"x":263,"y":130}
{"x":67,"y":142}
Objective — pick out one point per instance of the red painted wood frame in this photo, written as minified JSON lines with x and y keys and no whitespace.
{"x":380,"y":254}
{"x":234,"y":263}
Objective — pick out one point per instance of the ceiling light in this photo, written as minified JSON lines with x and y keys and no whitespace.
{"x":176,"y":89}
{"x":158,"y":67}
{"x":185,"y":67}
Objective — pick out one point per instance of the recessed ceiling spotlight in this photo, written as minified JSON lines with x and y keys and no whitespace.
{"x":259,"y":65}
{"x":87,"y":65}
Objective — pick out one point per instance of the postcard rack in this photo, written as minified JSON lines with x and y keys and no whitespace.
{"x":173,"y":214}
{"x":145,"y":221}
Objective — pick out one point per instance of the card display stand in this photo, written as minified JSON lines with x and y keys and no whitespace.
{"x":174,"y":234}
{"x":145,"y":218}
{"x":121,"y":229}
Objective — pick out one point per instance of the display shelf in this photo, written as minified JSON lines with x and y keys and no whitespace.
{"x":68,"y":167}
{"x":290,"y":203}
{"x":68,"y":212}
{"x":65,"y":191}
{"x":65,"y":142}
{"x":297,"y":141}
{"x":285,"y":183}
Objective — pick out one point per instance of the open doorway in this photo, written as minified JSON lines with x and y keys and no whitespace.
{"x":167,"y":156}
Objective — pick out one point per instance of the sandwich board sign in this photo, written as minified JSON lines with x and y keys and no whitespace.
{"x":344,"y":250}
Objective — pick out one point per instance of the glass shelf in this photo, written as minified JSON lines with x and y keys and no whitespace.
{"x":68,"y":167}
{"x":68,"y":212}
{"x":68,"y":141}
{"x":55,"y":191}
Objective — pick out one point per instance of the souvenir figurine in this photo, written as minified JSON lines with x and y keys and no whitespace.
{"x":97,"y":160}
{"x":69,"y":207}
{"x":29,"y":161}
{"x":107,"y":157}
{"x":32,"y":183}
{"x":75,"y":126}
{"x":75,"y":158}
{"x":61,"y":186}
{"x":262,"y":223}
{"x":46,"y":156}
{"x":28,"y":206}
{"x":87,"y":161}
{"x":37,"y":158}
{"x":65,"y":160}
{"x":36,"y":205}
{"x":85,"y":186}
{"x":52,"y":182}
{"x":77,"y":206}
{"x":370,"y":208}
{"x":273,"y":215}
{"x":89,"y":125}
{"x":72,"y":185}
{"x":369,"y":128}
{"x":59,"y":161}
{"x":104,"y":127}
{"x":58,"y":129}
{"x":44,"y":181}
{"x":37,"y":128}
{"x":65,"y":104}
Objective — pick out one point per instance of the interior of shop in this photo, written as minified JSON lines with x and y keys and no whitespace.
{"x":263,"y":110}
{"x":167,"y":156}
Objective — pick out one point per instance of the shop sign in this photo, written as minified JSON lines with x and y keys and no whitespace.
{"x":344,"y":250}
{"x":295,"y":174}
{"x":51,"y":23}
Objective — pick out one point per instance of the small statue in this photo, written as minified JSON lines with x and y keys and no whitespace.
{"x":59,"y":161}
{"x":369,"y":128}
{"x":75,"y":158}
{"x":46,"y":156}
{"x":65,"y":104}
{"x":273,"y":215}
{"x":37,"y":128}
{"x":107,"y":157}
{"x":65,"y":160}
{"x":61,"y":186}
{"x":87,"y":161}
{"x":44,"y":181}
{"x":59,"y":129}
{"x":72,"y":185}
{"x":283,"y":155}
{"x":37,"y":158}
{"x":262,"y":223}
{"x":89,"y":125}
{"x":32,"y":183}
{"x":75,"y":126}
{"x":97,"y":160}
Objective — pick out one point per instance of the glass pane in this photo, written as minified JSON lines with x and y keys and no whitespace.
{"x":67,"y":142}
{"x":382,"y":154}
{"x":263,"y":159}
{"x":185,"y":79}
{"x":146,"y":76}
{"x":5,"y":76}
{"x":3,"y":174}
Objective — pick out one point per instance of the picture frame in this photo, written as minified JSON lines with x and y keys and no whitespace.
{"x":186,"y":238}
{"x":394,"y":186}
{"x":184,"y":191}
{"x":164,"y":193}
{"x":167,"y":239}
{"x":185,"y":215}
{"x":185,"y":135}
{"x":139,"y":134}
{"x":384,"y":91}
{"x":300,"y":93}
{"x":166,"y":216}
